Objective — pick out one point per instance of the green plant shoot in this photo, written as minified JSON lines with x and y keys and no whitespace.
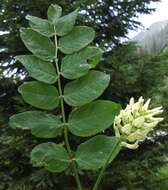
{"x":60,"y":50}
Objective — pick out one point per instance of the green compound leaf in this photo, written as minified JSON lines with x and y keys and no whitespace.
{"x":40,"y":95}
{"x":86,"y":88}
{"x":77,"y":39}
{"x":78,"y":64}
{"x":42,"y":26}
{"x":39,"y":45}
{"x":54,"y":12}
{"x":40,"y":70}
{"x":66,"y":23}
{"x":51,"y":156}
{"x":93,"y":118}
{"x":92,"y":154}
{"x":41,"y":124}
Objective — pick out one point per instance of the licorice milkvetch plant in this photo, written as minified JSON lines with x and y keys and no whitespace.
{"x":61,"y":50}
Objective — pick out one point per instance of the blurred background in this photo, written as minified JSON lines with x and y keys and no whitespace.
{"x":134,"y":38}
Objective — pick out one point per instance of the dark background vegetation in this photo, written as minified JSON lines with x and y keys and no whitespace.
{"x":132,"y":74}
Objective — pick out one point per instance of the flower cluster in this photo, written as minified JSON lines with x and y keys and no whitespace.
{"x":134,"y":123}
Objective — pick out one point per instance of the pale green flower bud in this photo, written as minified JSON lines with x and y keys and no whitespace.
{"x":134,"y":122}
{"x":138,"y":122}
{"x":126,"y":129}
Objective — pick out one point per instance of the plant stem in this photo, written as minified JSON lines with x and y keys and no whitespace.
{"x":67,"y":144}
{"x":100,"y":176}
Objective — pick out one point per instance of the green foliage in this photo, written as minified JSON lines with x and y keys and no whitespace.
{"x":52,"y":156}
{"x":80,"y":62}
{"x":83,"y":36}
{"x":129,"y":170}
{"x":38,"y":69}
{"x":97,"y":147}
{"x":41,"y":25}
{"x":65,"y":24}
{"x":138,"y":170}
{"x":40,"y":95}
{"x":141,"y":169}
{"x":98,"y":115}
{"x":54,"y":13}
{"x":86,"y":88}
{"x":38,"y":44}
{"x":41,"y":124}
{"x":92,"y":118}
{"x":133,"y":74}
{"x":107,"y":18}
{"x":79,"y":66}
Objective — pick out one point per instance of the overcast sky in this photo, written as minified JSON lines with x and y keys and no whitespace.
{"x":160,"y":14}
